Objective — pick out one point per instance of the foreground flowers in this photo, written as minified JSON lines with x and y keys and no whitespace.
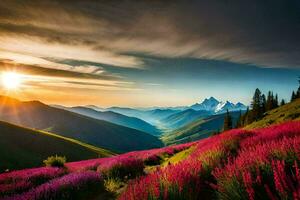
{"x":71,"y":186}
{"x":23,"y":180}
{"x":237,"y":164}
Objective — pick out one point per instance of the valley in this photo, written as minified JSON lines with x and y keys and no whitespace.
{"x":179,"y":167}
{"x":190,"y":141}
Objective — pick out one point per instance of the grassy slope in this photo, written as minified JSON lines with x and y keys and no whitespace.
{"x":199,"y":129}
{"x":288,"y":112}
{"x":24,"y":148}
{"x":176,"y":158}
{"x":99,"y":133}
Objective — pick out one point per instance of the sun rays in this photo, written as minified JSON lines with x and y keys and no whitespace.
{"x":11,"y":80}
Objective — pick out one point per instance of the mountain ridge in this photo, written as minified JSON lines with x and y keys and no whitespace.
{"x":99,"y":133}
{"x":20,"y":147}
{"x":116,"y":118}
{"x":216,"y":106}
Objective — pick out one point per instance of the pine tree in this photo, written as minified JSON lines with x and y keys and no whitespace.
{"x":245,"y":118}
{"x":275,"y":102}
{"x":256,"y":105}
{"x":298,"y":91}
{"x":293,"y":96}
{"x":263,"y":104}
{"x":282,"y":103}
{"x":227,"y":122}
{"x":239,"y":121}
{"x":269,"y":103}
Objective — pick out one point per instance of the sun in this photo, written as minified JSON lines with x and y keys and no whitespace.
{"x":11,"y":80}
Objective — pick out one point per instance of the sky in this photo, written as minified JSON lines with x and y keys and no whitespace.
{"x":149,"y":53}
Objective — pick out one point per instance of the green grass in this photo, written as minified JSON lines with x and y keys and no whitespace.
{"x":25,"y":148}
{"x":176,"y":158}
{"x":100,"y":151}
{"x":288,"y":112}
{"x":199,"y":129}
{"x":166,"y":159}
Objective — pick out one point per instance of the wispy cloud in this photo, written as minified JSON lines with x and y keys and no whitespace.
{"x":86,"y":72}
{"x":127,"y":51}
{"x":262,"y":33}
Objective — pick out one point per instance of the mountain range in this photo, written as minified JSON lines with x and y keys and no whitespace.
{"x":34,"y":114}
{"x":215,"y":106}
{"x":116,"y":118}
{"x":158,"y":115}
{"x":116,"y":128}
{"x":182,"y":118}
{"x":88,"y":132}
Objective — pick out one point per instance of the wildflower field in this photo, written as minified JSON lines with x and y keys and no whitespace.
{"x":237,"y":164}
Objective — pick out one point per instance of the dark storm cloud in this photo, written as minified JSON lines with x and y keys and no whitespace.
{"x":261,"y":32}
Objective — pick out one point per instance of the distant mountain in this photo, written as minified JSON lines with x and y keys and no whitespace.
{"x":161,"y":113}
{"x":177,"y":108}
{"x":208,"y":104}
{"x":24,"y":148}
{"x":151,"y":116}
{"x":215,"y":106}
{"x":99,"y":133}
{"x":182,"y":118}
{"x":95,"y":107}
{"x":198,"y":129}
{"x":131,"y":112}
{"x":116,"y":118}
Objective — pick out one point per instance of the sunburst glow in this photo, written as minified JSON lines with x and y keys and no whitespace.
{"x":11,"y":80}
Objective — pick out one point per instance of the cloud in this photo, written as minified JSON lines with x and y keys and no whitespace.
{"x":89,"y":72}
{"x":264,"y":33}
{"x":84,"y":78}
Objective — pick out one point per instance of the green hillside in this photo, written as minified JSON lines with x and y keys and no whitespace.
{"x":24,"y":148}
{"x":288,"y":112}
{"x":37,"y":115}
{"x":198,"y":129}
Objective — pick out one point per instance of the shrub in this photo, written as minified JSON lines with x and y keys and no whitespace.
{"x":55,"y":161}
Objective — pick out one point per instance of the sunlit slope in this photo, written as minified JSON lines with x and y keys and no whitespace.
{"x":99,"y":133}
{"x":288,"y":112}
{"x":198,"y":129}
{"x":24,"y":148}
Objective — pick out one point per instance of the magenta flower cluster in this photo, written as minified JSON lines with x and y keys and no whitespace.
{"x":238,"y":164}
{"x":146,"y":156}
{"x":20,"y":181}
{"x":70,"y":186}
{"x":266,"y":167}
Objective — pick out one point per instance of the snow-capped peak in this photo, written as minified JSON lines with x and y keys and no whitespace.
{"x":213,"y":105}
{"x":223,"y":106}
{"x":207,"y":104}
